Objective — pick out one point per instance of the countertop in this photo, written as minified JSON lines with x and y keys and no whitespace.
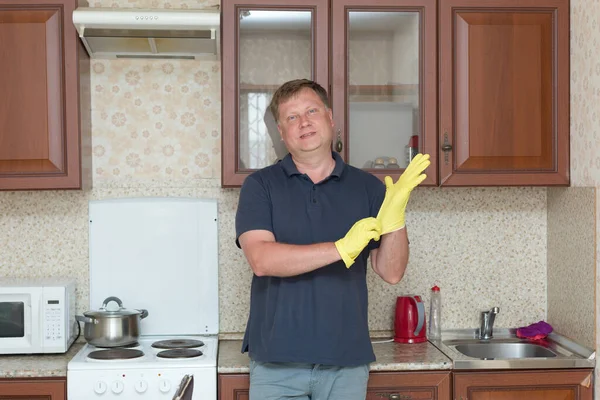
{"x":390,"y":357}
{"x":38,"y":366}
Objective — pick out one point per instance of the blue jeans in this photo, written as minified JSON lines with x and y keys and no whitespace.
{"x":276,"y":381}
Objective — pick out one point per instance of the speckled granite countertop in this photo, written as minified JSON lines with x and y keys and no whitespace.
{"x":27,"y":366}
{"x":390,"y":357}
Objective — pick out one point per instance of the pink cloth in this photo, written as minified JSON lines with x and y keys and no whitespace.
{"x":536,"y":331}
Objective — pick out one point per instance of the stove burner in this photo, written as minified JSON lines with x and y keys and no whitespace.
{"x":177,"y":344}
{"x":115,"y":354}
{"x":127,"y":346}
{"x":179,"y":353}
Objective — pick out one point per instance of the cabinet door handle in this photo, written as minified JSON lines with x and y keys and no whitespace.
{"x":338,"y":143}
{"x":395,"y":396}
{"x":446,"y":148}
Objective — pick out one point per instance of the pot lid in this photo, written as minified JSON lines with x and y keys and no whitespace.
{"x":104,"y":312}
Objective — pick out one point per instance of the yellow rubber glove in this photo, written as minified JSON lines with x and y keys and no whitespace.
{"x":391,"y":213}
{"x":357,"y":239}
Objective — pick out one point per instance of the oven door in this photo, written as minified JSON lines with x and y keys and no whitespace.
{"x":19,"y":323}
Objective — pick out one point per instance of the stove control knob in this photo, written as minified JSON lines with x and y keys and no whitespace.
{"x":100,"y":387}
{"x":164,"y":385}
{"x":141,"y":386}
{"x":117,"y":387}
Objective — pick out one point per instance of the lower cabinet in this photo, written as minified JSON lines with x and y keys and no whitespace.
{"x":571,"y":384}
{"x":382,"y":385}
{"x":409,"y":385}
{"x":233,"y":386}
{"x":33,"y":388}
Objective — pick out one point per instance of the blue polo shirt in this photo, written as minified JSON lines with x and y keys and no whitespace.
{"x":319,"y":317}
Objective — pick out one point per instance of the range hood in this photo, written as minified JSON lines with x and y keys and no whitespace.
{"x":149,"y":33}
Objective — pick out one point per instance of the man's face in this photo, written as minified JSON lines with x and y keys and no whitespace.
{"x":305,"y":124}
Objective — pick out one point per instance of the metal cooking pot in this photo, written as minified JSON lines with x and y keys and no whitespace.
{"x":112,"y":328}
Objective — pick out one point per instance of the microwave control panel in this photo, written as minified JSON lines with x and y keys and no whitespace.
{"x":54,"y":314}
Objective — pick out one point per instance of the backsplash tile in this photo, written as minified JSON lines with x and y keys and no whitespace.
{"x":571,"y":262}
{"x":471,"y":242}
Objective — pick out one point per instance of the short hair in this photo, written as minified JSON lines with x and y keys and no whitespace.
{"x":292,"y":88}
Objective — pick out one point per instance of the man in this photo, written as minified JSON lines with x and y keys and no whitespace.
{"x":307,"y":226}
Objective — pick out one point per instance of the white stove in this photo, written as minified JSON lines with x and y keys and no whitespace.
{"x":158,"y":254}
{"x":146,"y":373}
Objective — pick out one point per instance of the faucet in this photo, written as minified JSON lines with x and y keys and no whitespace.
{"x":487,"y":323}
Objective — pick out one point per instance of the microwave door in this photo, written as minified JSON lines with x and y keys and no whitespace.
{"x":16,"y":323}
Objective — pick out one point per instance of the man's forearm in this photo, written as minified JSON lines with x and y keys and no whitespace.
{"x":283,"y":260}
{"x":392,"y":256}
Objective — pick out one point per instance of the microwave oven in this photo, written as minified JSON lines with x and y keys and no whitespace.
{"x":37,"y":315}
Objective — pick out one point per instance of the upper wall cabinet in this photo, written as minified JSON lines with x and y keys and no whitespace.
{"x":265,"y":44}
{"x":482,"y":88}
{"x":504,"y":92}
{"x":384,"y":83}
{"x":45,"y":104}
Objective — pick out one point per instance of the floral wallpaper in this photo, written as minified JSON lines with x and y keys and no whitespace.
{"x":150,"y":3}
{"x":159,"y":119}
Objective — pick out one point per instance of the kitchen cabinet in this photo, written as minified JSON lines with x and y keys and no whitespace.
{"x":423,"y":385}
{"x":573,"y":384}
{"x":33,"y":388}
{"x":504,"y":92}
{"x":234,"y":386}
{"x":481,"y":87}
{"x":45,"y":126}
{"x":377,"y":60}
{"x":382,"y":385}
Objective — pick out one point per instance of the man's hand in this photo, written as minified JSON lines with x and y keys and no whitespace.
{"x":391,"y":213}
{"x":357,"y":239}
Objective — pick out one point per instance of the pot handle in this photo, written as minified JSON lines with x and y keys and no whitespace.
{"x":109,"y":299}
{"x":86,"y":320}
{"x":144,"y":313}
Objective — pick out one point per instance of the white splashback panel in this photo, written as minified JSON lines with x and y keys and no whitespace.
{"x":160,"y":254}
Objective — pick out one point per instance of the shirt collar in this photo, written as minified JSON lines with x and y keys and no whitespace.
{"x":290,"y":168}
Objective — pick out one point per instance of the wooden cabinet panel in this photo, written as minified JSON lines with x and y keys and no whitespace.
{"x":489,"y":98}
{"x":29,"y":389}
{"x":530,"y":385}
{"x":391,"y":385}
{"x":234,"y":129}
{"x":504,"y":113}
{"x":234,"y":386}
{"x":572,"y":384}
{"x":42,"y":133}
{"x":424,"y":87}
{"x":409,"y":385}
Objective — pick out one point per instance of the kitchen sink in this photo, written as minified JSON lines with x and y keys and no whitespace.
{"x":506,"y":351}
{"x":493,"y":350}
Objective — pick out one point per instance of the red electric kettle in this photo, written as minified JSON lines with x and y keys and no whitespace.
{"x":409,"y":322}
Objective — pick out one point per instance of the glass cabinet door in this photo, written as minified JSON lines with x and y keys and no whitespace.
{"x":271,"y":44}
{"x":384,"y":97}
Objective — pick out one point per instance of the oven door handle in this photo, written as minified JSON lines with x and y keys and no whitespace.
{"x":186,"y":387}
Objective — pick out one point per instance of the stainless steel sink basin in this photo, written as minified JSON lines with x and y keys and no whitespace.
{"x":506,"y":351}
{"x":503,"y":350}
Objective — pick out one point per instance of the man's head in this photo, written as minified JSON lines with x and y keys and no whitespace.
{"x":304,"y":118}
{"x":291,"y":89}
